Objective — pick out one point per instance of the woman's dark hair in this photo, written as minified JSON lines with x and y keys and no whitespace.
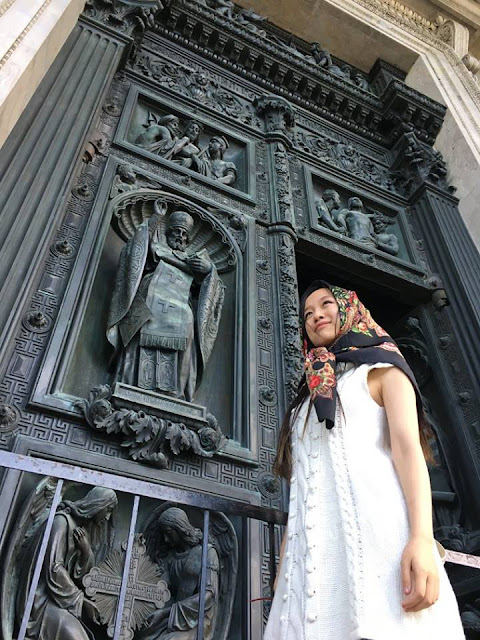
{"x":283,"y":460}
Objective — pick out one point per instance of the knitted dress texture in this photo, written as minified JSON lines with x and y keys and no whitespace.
{"x":347,"y":528}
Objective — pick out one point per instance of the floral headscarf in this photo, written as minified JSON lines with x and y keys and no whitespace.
{"x":360,"y":340}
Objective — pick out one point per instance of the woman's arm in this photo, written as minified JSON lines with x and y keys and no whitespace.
{"x":419,"y":569}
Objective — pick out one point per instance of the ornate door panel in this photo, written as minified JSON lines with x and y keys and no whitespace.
{"x":214,"y":166}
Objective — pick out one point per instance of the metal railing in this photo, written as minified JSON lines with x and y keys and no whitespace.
{"x":138,"y":489}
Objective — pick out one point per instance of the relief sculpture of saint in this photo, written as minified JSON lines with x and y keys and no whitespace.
{"x":166,"y":306}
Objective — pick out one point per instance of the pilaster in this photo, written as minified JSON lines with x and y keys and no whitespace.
{"x":39,"y":160}
{"x":279,"y":118}
{"x":453,"y":255}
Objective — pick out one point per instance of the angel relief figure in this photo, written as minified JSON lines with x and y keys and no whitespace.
{"x":176,"y":545}
{"x":167,"y":302}
{"x":81,"y":536}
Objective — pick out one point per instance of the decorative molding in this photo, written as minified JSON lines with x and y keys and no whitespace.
{"x":454,"y":34}
{"x":288,"y":302}
{"x":393,"y":7}
{"x":423,"y":29}
{"x":267,"y":371}
{"x":401,"y":14}
{"x":149,"y":438}
{"x":18,"y":40}
{"x":204,"y":87}
{"x":9,"y":417}
{"x":124,"y":16}
{"x":346,"y":156}
{"x":5,"y":6}
{"x":470,"y":84}
{"x":168,"y":175}
{"x":283,"y":186}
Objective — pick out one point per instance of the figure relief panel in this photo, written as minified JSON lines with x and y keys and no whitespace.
{"x":151,"y":324}
{"x":114,"y":565}
{"x":359,"y":219}
{"x":184,"y":138}
{"x":86,"y":375}
{"x":159,"y":331}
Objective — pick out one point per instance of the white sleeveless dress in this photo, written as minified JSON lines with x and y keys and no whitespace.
{"x":347,"y":528}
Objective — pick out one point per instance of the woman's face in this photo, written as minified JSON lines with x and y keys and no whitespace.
{"x":321,"y":318}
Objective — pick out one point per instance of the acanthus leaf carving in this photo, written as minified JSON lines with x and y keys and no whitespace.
{"x":345,"y":156}
{"x":149,"y":438}
{"x":200,"y":86}
{"x":123,"y":16}
{"x":279,"y":114}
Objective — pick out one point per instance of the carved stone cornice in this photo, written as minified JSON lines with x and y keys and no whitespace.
{"x":406,"y":108}
{"x":291,"y":72}
{"x":123,"y":16}
{"x":407,"y":14}
{"x":402,"y":16}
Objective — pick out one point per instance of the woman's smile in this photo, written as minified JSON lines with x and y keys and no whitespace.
{"x":321,"y":317}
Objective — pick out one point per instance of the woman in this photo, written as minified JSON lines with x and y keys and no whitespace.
{"x":358,"y":560}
